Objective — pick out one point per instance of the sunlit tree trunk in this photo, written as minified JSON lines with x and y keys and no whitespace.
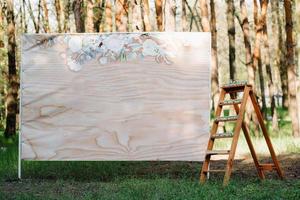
{"x":231,"y":38}
{"x":137,"y":20}
{"x":78,"y":15}
{"x":129,"y":15}
{"x":121,"y":15}
{"x":58,"y":14}
{"x":269,"y":69}
{"x":46,"y":16}
{"x":298,"y":54}
{"x":292,"y":78}
{"x":159,"y":14}
{"x":89,"y":16}
{"x":29,"y":8}
{"x":67,"y":15}
{"x":12,"y":90}
{"x":24,"y":17}
{"x":257,"y":63}
{"x":169,"y":19}
{"x":244,"y":23}
{"x":2,"y":85}
{"x":184,"y":17}
{"x":280,"y":51}
{"x":214,"y":52}
{"x":145,"y":11}
{"x":108,"y":16}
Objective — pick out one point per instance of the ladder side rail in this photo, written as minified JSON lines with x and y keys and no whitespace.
{"x":236,"y":134}
{"x":265,"y":134}
{"x":213,"y":131}
{"x":249,"y":142}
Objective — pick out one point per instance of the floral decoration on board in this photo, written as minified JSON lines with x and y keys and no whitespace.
{"x":109,"y":48}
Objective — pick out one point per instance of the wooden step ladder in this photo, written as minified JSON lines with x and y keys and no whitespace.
{"x":232,"y":89}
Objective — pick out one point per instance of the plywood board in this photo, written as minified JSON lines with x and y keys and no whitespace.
{"x":116,"y":96}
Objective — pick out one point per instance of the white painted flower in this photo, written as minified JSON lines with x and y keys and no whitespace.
{"x":75,"y":43}
{"x":103,"y":60}
{"x":73,"y":65}
{"x":114,"y":43}
{"x":150,"y":48}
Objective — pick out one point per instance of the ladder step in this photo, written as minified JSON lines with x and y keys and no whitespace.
{"x":231,"y":102}
{"x":235,"y":84}
{"x":222,"y":135}
{"x":267,"y":167}
{"x":214,"y":170}
{"x":225,"y":119}
{"x":217,"y":152}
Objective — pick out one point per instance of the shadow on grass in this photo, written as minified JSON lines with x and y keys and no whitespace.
{"x":105,"y":171}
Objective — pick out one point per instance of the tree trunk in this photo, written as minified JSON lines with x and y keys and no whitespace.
{"x":269,"y":70}
{"x":35,"y":24}
{"x":184,"y":17}
{"x":78,"y":15}
{"x":2,"y":85}
{"x":231,"y":38}
{"x":58,"y":14}
{"x":12,"y":91}
{"x":145,"y":15}
{"x":214,"y":54}
{"x":46,"y":17}
{"x":291,"y":68}
{"x":100,"y":16}
{"x":137,"y":20}
{"x":122,"y":15}
{"x":24,"y":19}
{"x":244,"y":23}
{"x":280,"y":54}
{"x":259,"y":23}
{"x":298,"y":52}
{"x":89,"y":16}
{"x":169,"y":20}
{"x":67,"y":16}
{"x":108,"y":16}
{"x":159,"y":14}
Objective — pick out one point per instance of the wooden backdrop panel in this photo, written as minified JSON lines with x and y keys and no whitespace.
{"x":118,"y":96}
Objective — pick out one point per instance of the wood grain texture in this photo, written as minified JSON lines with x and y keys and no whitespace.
{"x":133,"y":110}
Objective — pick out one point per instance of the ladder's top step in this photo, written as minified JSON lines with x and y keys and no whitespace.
{"x":231,"y":102}
{"x":233,"y":84}
{"x":223,"y":135}
{"x":217,"y":152}
{"x":225,"y":119}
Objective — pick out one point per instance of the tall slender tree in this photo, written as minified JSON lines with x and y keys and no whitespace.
{"x":244,"y":23}
{"x":159,"y":14}
{"x":169,"y":19}
{"x":67,"y":15}
{"x":46,"y":17}
{"x":214,"y":52}
{"x":89,"y":16}
{"x":78,"y":15}
{"x":269,"y":70}
{"x":137,"y":20}
{"x":13,"y":86}
{"x":32,"y":17}
{"x":145,"y":11}
{"x":257,"y":63}
{"x":122,"y":15}
{"x":291,"y":67}
{"x":58,"y":14}
{"x":184,"y":16}
{"x":231,"y":38}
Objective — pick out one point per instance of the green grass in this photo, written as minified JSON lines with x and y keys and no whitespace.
{"x":150,"y":180}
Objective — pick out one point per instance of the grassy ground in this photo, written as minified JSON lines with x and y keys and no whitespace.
{"x":152,"y":180}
